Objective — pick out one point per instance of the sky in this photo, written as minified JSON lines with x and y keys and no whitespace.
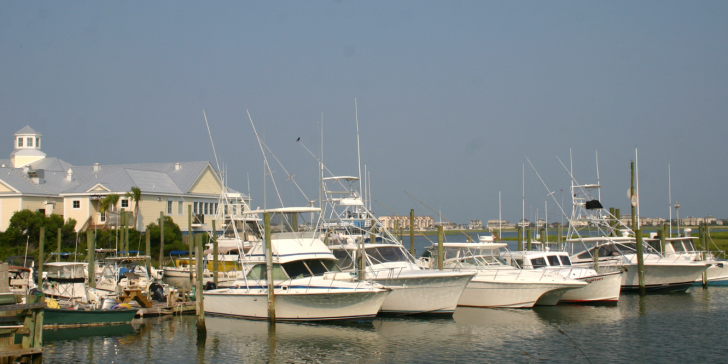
{"x":453,"y":98}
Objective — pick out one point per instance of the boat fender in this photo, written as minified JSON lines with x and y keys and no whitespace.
{"x":51,"y":303}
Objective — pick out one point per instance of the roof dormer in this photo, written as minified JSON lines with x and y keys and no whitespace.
{"x":27,"y":147}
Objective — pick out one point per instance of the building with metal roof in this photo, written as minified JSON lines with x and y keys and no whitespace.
{"x":30,"y":180}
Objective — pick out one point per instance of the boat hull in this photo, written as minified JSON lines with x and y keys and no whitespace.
{"x":487,"y":292}
{"x":663,"y":277}
{"x":313,"y":306}
{"x":602,"y":288}
{"x":429,"y":293}
{"x":717,"y":275}
{"x":60,"y":318}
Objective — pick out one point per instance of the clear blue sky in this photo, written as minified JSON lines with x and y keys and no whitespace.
{"x":453,"y":96}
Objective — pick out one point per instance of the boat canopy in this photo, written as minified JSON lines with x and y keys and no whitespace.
{"x":284,"y":210}
{"x":346,"y":178}
{"x":179,"y":252}
{"x":223,"y":250}
{"x":474,"y":245}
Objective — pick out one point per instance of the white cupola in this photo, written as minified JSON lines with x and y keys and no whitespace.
{"x":27,"y":147}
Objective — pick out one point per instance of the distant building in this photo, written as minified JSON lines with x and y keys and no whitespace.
{"x":421,"y":222}
{"x":31,"y":181}
{"x":524,"y":223}
{"x":476,"y":225}
{"x":502,"y":224}
{"x":540,"y":223}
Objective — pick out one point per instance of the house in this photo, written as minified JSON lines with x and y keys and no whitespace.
{"x":31,"y":180}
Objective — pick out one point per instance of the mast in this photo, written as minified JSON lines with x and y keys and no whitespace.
{"x":669,"y":193}
{"x":358,"y":150}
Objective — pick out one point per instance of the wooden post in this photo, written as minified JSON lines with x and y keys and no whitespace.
{"x":396,"y":228}
{"x":596,"y":256}
{"x":665,"y":234}
{"x":618,"y":215}
{"x":440,"y":250}
{"x":612,"y":224}
{"x":528,"y":239}
{"x":126,"y":233}
{"x":214,"y":254}
{"x":58,"y":253}
{"x":190,"y":242}
{"x":269,"y":269}
{"x":148,"y":239}
{"x":705,"y":246}
{"x":161,"y":239}
{"x":199,"y":296}
{"x":661,"y":236}
{"x":91,"y":258}
{"x":520,"y":238}
{"x":412,"y":232}
{"x":372,"y":233}
{"x":41,"y":258}
{"x":361,"y":255}
{"x":559,"y":238}
{"x":638,"y":236}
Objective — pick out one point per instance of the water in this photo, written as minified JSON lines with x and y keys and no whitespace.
{"x":686,"y":327}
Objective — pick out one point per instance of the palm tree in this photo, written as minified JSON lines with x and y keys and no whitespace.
{"x":109,"y":202}
{"x":135,"y":195}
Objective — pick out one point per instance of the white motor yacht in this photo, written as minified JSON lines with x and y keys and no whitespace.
{"x":684,"y":246}
{"x":602,"y":287}
{"x":497,"y":284}
{"x":610,"y":245}
{"x":308,"y":285}
{"x":353,"y":231}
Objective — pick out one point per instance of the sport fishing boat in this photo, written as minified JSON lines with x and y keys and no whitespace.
{"x":308,"y":285}
{"x":684,"y":246}
{"x":353,"y":232}
{"x":497,"y":284}
{"x":66,"y":281}
{"x":609,"y":245}
{"x":601,"y":288}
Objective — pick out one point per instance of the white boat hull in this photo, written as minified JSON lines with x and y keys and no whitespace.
{"x":717,"y":274}
{"x":424,"y":292}
{"x":664,"y":277}
{"x":602,"y":288}
{"x":485,"y":291}
{"x":312,"y":306}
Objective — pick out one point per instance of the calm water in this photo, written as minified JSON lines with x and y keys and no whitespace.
{"x":686,"y":328}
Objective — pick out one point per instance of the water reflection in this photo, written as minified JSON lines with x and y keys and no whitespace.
{"x":643,"y":329}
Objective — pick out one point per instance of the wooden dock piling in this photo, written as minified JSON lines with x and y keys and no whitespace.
{"x":41,"y":257}
{"x":269,"y":269}
{"x":161,"y":239}
{"x":440,"y":239}
{"x":215,"y":259}
{"x":412,"y":231}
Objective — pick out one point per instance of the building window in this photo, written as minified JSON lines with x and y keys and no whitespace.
{"x":180,"y":206}
{"x":215,"y":212}
{"x":76,"y":204}
{"x":30,"y":142}
{"x":20,"y":142}
{"x":169,"y":207}
{"x":37,"y":142}
{"x":125,"y":203}
{"x":102,"y":217}
{"x":194,"y":208}
{"x":207,"y":205}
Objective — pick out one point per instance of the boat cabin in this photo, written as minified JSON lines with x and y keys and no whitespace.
{"x":465,"y":255}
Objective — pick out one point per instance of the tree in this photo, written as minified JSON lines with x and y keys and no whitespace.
{"x":135,"y":195}
{"x":25,"y":227}
{"x":172,"y":236}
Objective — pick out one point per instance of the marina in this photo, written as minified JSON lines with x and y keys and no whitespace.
{"x":638,"y":328}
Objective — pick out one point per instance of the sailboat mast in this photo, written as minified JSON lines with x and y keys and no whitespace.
{"x":358,"y":150}
{"x":669,"y":193}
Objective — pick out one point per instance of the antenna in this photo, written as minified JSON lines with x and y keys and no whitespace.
{"x":500,"y":216}
{"x":637,"y":186}
{"x":211,"y":142}
{"x":358,"y":151}
{"x":669,"y":193}
{"x":599,"y":191}
{"x":523,"y":208}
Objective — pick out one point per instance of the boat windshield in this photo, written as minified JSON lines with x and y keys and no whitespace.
{"x":538,"y":262}
{"x":66,"y":271}
{"x":610,"y":250}
{"x":386,"y":254}
{"x":310,"y":267}
{"x":565,"y":260}
{"x":553,"y":260}
{"x":258,"y":272}
{"x":677,"y":245}
{"x":345,"y":261}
